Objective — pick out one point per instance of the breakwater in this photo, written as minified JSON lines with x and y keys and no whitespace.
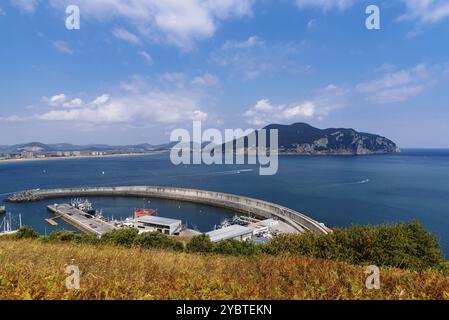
{"x":241,"y":204}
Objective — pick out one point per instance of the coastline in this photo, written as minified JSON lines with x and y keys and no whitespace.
{"x":7,"y":161}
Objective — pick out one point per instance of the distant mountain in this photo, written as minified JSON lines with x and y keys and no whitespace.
{"x":301,"y":138}
{"x":298,"y":138}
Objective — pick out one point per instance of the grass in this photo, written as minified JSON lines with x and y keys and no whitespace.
{"x":32,"y":269}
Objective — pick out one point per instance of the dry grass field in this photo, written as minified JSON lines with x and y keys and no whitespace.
{"x":30,"y":269}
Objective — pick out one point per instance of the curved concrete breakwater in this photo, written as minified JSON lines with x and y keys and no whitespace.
{"x":236,"y":203}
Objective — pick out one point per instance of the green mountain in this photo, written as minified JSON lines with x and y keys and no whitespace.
{"x":301,"y":138}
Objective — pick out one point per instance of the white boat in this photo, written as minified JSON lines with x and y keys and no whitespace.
{"x":7,"y":225}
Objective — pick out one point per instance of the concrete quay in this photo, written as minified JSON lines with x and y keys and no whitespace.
{"x":247,"y":206}
{"x":78,"y":219}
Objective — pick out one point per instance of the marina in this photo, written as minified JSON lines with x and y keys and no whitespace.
{"x":86,"y":219}
{"x":239,"y":204}
{"x":9,"y":225}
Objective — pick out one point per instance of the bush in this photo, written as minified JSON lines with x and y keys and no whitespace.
{"x":201,"y":243}
{"x":157,"y":240}
{"x":26,"y":233}
{"x":63,"y":235}
{"x":236,"y":248}
{"x":89,"y":239}
{"x":120,"y":237}
{"x":404,"y":245}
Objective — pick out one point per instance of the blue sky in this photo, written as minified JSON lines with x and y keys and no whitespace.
{"x":137,"y":69}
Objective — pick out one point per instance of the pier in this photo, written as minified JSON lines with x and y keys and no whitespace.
{"x":245,"y":205}
{"x":78,"y":219}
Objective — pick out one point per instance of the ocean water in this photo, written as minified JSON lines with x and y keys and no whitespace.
{"x":338,"y":191}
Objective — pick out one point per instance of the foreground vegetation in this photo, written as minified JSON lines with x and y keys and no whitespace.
{"x":125,"y":265}
{"x":404,"y":245}
{"x":30,"y":269}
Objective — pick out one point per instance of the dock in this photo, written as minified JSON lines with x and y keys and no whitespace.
{"x":80,"y":220}
{"x":51,"y":221}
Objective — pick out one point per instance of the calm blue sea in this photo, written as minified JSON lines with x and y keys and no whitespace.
{"x":338,"y":191}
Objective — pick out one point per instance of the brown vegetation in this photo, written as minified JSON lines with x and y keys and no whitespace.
{"x":32,"y":269}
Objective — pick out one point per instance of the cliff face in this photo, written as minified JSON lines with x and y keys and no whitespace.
{"x":301,"y":138}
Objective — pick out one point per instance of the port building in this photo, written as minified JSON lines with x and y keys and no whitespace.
{"x":236,"y":232}
{"x":163,"y":225}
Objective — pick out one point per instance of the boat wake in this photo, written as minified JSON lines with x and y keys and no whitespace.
{"x":361,"y":182}
{"x":233,"y":171}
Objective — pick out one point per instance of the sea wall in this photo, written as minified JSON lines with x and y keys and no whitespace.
{"x":236,"y":203}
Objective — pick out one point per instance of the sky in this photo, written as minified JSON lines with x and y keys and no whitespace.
{"x":138,"y":69}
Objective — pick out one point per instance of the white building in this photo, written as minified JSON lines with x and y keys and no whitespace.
{"x":163,"y":225}
{"x":235,"y":232}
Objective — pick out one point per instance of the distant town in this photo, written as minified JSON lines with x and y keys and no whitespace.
{"x":40,"y":151}
{"x":57,"y":154}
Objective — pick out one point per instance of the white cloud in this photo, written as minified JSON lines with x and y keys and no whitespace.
{"x":137,"y":103}
{"x":27,"y":6}
{"x":178,"y":22}
{"x":14,"y":118}
{"x":325,"y":5}
{"x":56,"y":100}
{"x":264,"y":112}
{"x":398,"y":86}
{"x":101,"y":100}
{"x":206,"y":80}
{"x":147,"y":57}
{"x":125,"y":35}
{"x":427,"y":11}
{"x":312,"y":24}
{"x":199,"y":115}
{"x":62,"y":47}
{"x":326,"y":100}
{"x":74,"y":103}
{"x":250,"y":42}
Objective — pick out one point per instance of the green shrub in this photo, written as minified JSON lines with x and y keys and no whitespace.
{"x":235,"y":248}
{"x":403,"y":245}
{"x":201,"y":244}
{"x":157,"y":240}
{"x":89,"y":239}
{"x":63,"y":235}
{"x":26,"y":233}
{"x":120,"y":237}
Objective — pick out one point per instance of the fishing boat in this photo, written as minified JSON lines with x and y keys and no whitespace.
{"x":2,"y":209}
{"x":83,"y":205}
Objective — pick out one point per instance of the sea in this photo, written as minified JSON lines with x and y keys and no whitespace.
{"x":336,"y":190}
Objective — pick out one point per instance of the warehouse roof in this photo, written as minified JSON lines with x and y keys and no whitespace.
{"x":158,"y":220}
{"x":230,"y":232}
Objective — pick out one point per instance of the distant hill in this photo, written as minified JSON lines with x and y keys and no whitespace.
{"x":38,"y":147}
{"x":298,"y":138}
{"x":301,"y":138}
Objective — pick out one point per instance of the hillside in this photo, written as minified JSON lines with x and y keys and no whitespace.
{"x":39,"y":147}
{"x":301,"y":138}
{"x":31,"y":269}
